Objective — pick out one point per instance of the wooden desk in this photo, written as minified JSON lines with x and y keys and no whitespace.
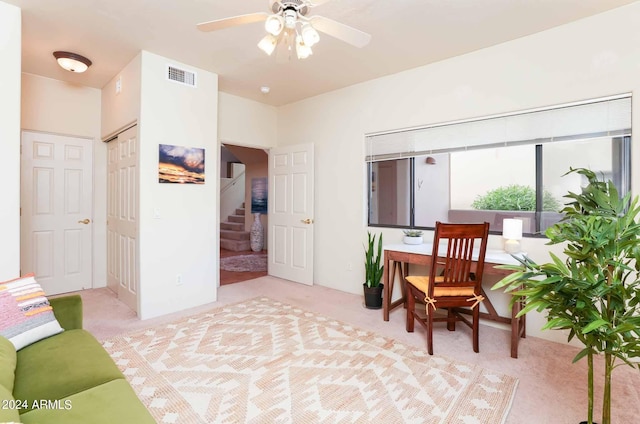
{"x":397,"y":258}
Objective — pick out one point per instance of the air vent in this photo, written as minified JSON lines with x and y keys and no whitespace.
{"x":181,"y":76}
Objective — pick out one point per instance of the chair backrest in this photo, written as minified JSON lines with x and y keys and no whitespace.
{"x":462,"y":249}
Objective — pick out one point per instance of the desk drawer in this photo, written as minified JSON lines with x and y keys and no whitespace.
{"x":407,"y":257}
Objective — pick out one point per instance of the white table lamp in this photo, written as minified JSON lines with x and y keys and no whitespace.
{"x":512,"y":234}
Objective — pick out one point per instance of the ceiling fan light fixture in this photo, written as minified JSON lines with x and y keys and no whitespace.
{"x":274,"y":24}
{"x":309,"y":35}
{"x":287,"y":24}
{"x":72,"y":62}
{"x":268,"y":44}
{"x":302,"y":50}
{"x":290,"y":18}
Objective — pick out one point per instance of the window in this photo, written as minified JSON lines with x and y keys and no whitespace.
{"x":511,"y":166}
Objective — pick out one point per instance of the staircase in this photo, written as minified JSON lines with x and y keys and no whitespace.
{"x":232,"y":233}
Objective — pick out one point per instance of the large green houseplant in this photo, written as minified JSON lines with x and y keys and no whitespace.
{"x":373,"y":269}
{"x":595,"y":292}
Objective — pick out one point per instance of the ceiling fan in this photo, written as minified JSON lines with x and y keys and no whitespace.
{"x":289,"y":26}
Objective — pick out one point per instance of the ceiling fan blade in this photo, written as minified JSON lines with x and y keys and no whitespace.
{"x":343,"y":32}
{"x":233,"y":21}
{"x":315,"y":3}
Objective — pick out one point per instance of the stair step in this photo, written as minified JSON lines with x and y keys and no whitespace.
{"x":236,"y":218}
{"x":235,"y":245}
{"x":234,"y":235}
{"x":235,"y":226}
{"x":240,"y":211}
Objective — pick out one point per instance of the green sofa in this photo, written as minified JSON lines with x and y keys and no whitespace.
{"x":65,"y":379}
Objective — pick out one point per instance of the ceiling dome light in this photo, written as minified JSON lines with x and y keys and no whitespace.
{"x":72,"y":62}
{"x":309,"y":35}
{"x":268,"y":44}
{"x":302,"y":50}
{"x":274,"y":24}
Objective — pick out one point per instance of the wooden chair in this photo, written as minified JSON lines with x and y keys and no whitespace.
{"x":457,"y":280}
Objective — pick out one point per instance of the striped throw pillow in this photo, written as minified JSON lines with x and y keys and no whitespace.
{"x":25,"y":313}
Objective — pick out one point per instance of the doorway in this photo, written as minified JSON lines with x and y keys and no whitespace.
{"x":239,"y":167}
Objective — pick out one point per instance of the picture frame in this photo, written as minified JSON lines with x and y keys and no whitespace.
{"x":259,"y":195}
{"x":180,"y":165}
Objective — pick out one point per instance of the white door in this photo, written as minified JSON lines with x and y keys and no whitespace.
{"x":291,"y":213}
{"x":122,"y":217}
{"x":56,"y":195}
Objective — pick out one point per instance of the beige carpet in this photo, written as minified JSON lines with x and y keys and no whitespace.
{"x":264,"y":361}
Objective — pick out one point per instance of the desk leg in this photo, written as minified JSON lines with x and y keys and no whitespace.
{"x":390,"y":270}
{"x":404,"y":272}
{"x":518,"y":328}
{"x":387,"y":289}
{"x":523,"y":324}
{"x":514,"y":330}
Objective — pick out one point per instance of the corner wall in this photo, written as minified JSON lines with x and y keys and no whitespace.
{"x":10,"y":48}
{"x":121,"y":109}
{"x":183,"y":241}
{"x":594,"y":57}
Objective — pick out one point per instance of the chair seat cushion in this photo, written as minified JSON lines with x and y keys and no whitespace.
{"x":61,"y":366}
{"x":422,"y":283}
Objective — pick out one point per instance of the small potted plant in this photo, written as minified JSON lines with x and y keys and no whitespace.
{"x":373,"y":268}
{"x":595,"y":292}
{"x":412,"y":236}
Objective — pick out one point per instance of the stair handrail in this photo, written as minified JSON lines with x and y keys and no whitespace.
{"x":232,"y":183}
{"x":232,"y":196}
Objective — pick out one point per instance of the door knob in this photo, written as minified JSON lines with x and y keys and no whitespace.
{"x":84,"y":221}
{"x":307,"y":221}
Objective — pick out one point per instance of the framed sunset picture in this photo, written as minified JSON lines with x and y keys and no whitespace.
{"x":180,"y":165}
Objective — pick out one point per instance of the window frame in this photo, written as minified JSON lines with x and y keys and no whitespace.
{"x":624,"y":152}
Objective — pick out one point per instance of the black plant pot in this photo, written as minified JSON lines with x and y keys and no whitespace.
{"x":373,"y":296}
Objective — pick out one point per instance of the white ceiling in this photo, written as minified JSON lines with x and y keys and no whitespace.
{"x":405,"y":34}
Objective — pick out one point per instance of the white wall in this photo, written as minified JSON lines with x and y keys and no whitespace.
{"x":59,"y":107}
{"x":246,"y":122}
{"x":10,"y":49}
{"x":121,"y":109}
{"x":594,"y":57}
{"x":184,"y":240}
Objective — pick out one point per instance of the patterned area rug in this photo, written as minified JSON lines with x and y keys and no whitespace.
{"x":242,"y":263}
{"x":262,"y":361}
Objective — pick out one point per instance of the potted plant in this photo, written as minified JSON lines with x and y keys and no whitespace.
{"x":412,"y":236}
{"x":595,"y":292}
{"x":373,"y":269}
